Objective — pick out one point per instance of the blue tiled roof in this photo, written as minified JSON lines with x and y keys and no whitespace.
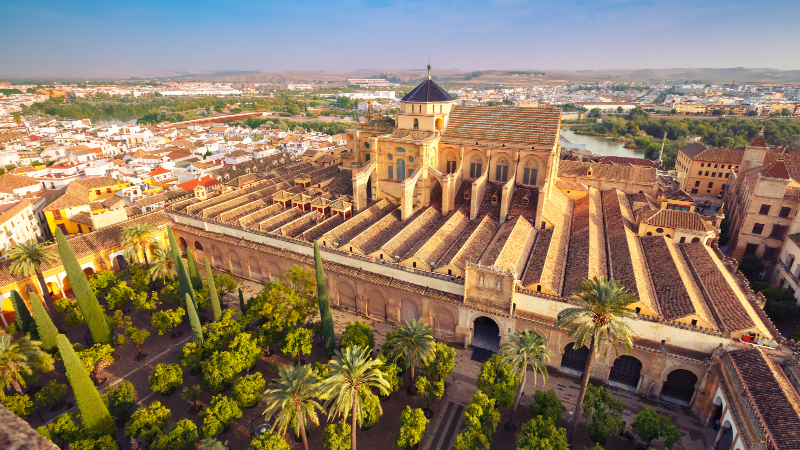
{"x":428,"y":92}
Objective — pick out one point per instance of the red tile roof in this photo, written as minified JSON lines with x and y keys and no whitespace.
{"x":772,"y":396}
{"x":158,"y":171}
{"x":699,"y":152}
{"x":206,"y":181}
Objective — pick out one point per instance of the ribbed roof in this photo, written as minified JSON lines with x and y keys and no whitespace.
{"x":498,"y":123}
{"x":427,"y":92}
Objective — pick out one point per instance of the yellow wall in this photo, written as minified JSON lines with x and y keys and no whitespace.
{"x":696,"y":175}
{"x":22,"y":286}
{"x":667,"y":202}
{"x":575,"y":194}
{"x":645,"y":228}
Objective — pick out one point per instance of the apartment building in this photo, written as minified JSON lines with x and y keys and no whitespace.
{"x":763,"y":206}
{"x":18,"y":223}
{"x":707,"y":169}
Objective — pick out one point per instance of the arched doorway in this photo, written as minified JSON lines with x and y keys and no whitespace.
{"x":444,"y":322}
{"x":182,"y":244}
{"x":274,"y":270}
{"x":376,"y":305}
{"x":574,"y":361}
{"x":626,"y":372}
{"x":66,"y":288}
{"x":408,"y":311}
{"x":347,"y":297}
{"x":486,"y":334}
{"x":679,"y":387}
{"x":216,"y":255}
{"x":236,"y":264}
{"x":89,"y":271}
{"x":255,"y":270}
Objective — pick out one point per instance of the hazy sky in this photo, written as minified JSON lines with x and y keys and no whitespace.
{"x":111,"y":36}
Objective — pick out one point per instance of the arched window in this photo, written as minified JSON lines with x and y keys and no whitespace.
{"x":416,"y":124}
{"x":501,"y":173}
{"x":439,"y":123}
{"x":401,"y":169}
{"x":475,"y":167}
{"x":451,"y":163}
{"x":529,"y":173}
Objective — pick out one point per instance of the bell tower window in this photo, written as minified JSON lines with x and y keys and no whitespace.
{"x":416,"y":124}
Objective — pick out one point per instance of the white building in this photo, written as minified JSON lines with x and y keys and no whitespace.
{"x":18,"y":223}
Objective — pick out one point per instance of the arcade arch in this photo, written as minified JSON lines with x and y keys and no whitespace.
{"x":486,"y":333}
{"x":408,"y":311}
{"x":236,"y":264}
{"x":679,"y":386}
{"x":255,"y":270}
{"x":216,"y":258}
{"x":347,"y":296}
{"x":574,"y":360}
{"x":376,"y":305}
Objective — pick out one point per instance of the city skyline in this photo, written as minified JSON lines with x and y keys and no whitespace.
{"x":93,"y":37}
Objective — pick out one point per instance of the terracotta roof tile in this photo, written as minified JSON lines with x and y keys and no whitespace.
{"x":519,"y":125}
{"x":772,"y":396}
{"x":579,"y":169}
{"x":671,"y":218}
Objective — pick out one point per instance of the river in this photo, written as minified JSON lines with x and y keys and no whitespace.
{"x":600,"y":144}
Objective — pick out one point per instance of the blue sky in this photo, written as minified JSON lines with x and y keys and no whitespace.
{"x":108,"y":36}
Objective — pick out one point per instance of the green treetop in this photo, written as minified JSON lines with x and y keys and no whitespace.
{"x":499,"y":381}
{"x":23,"y":316}
{"x":194,"y":321}
{"x":194,"y":273}
{"x":650,"y":425}
{"x":540,"y":433}
{"x":324,"y":304}
{"x":94,"y":414}
{"x":84,"y":295}
{"x":183,"y":277}
{"x":46,"y":328}
{"x":412,"y":427}
{"x":212,"y":291}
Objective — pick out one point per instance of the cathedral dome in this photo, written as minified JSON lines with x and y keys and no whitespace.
{"x":428,"y":92}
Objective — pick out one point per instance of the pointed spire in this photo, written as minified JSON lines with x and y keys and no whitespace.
{"x":429,"y":69}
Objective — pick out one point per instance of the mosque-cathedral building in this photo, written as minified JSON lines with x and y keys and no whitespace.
{"x":469,"y":219}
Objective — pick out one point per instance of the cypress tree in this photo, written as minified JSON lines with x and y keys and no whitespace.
{"x":324,"y":304}
{"x":213,"y":295}
{"x":242,"y":305}
{"x":194,"y":273}
{"x":47,"y":329}
{"x":84,"y":295}
{"x":24,"y":319}
{"x":194,"y":322}
{"x":183,"y":277}
{"x":94,"y":414}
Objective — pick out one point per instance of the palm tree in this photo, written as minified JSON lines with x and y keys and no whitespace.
{"x":137,"y":239}
{"x":413,"y":342}
{"x":525,"y":349}
{"x":351,"y":373}
{"x":292,"y":399}
{"x":598,"y":319}
{"x":27,"y":258}
{"x":19,"y":358}
{"x":163,"y":263}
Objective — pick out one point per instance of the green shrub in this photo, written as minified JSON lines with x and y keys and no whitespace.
{"x":337,"y":436}
{"x":547,"y":404}
{"x":358,"y":333}
{"x":220,"y":414}
{"x":19,"y":404}
{"x":120,"y":400}
{"x":412,"y":427}
{"x":271,"y":441}
{"x":69,"y":312}
{"x":165,"y":321}
{"x":191,"y":356}
{"x":62,"y":430}
{"x":541,"y":433}
{"x":51,"y":393}
{"x":246,"y":350}
{"x":178,"y":437}
{"x":247,"y":390}
{"x":165,"y":377}
{"x":148,"y":423}
{"x":219,"y":370}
